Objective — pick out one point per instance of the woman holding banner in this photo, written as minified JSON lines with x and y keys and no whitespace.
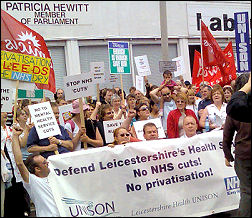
{"x":89,"y":134}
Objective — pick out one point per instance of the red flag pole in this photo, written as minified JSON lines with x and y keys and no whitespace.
{"x":201,"y":48}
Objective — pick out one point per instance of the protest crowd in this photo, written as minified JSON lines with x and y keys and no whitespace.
{"x":175,"y":108}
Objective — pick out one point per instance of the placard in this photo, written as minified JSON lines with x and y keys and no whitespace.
{"x":180,"y":66}
{"x":6,"y":99}
{"x":22,"y":85}
{"x":34,"y":94}
{"x":140,"y":83}
{"x":44,"y":120}
{"x":167,"y":65}
{"x":138,"y":125}
{"x":161,"y":178}
{"x":142,"y":65}
{"x":119,"y":62}
{"x":65,"y":113}
{"x":78,"y":86}
{"x":18,"y":66}
{"x":109,"y":127}
{"x":97,"y":69}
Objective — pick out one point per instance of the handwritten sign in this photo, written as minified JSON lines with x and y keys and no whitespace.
{"x":138,"y":125}
{"x":142,"y":65}
{"x":65,"y":113}
{"x":109,"y":127}
{"x":78,"y":86}
{"x":44,"y":120}
{"x":97,"y":69}
{"x":23,"y":67}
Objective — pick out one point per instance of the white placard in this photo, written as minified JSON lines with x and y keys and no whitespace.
{"x":109,"y":127}
{"x":44,"y":120}
{"x":6,"y":99}
{"x":180,"y":66}
{"x":97,"y":69}
{"x":138,"y":125}
{"x":166,"y":177}
{"x":65,"y":113}
{"x":142,"y":65}
{"x":80,"y":85}
{"x":111,"y":78}
{"x":140,"y":83}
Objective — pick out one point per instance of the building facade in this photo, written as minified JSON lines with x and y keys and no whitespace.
{"x":77,"y":32}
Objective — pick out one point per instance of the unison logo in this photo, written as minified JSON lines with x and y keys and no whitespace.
{"x":80,"y":208}
{"x":232,"y":185}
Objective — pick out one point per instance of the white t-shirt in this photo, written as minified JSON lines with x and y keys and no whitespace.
{"x":41,"y":194}
{"x":76,"y":130}
{"x":168,"y":106}
{"x":213,"y":111}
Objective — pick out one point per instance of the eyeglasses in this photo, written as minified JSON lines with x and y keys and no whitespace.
{"x":180,"y":101}
{"x":166,"y":94}
{"x":144,"y":109}
{"x":125,"y":134}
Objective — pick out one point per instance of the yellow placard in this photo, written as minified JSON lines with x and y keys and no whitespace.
{"x":17,"y":66}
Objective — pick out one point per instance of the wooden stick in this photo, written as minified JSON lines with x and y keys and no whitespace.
{"x":30,"y":113}
{"x":122,"y":88}
{"x":82,"y":118}
{"x":15,"y":103}
{"x":98,"y":92}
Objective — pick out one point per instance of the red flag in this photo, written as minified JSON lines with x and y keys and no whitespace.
{"x":212,"y":53}
{"x":17,"y":37}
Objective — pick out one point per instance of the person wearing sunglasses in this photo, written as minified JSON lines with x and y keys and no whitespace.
{"x":121,"y":136}
{"x":175,"y":117}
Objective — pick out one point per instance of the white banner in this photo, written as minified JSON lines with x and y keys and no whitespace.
{"x":65,"y":113}
{"x":138,"y":125}
{"x":78,"y":86}
{"x":142,"y":65}
{"x":44,"y":120}
{"x":171,"y":177}
{"x":109,"y":127}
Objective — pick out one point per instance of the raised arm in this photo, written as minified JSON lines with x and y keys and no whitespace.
{"x":18,"y":154}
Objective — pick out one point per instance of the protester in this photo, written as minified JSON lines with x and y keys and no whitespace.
{"x":228,"y":91}
{"x":154,"y":110}
{"x":190,"y":127}
{"x":150,"y":131}
{"x":121,"y":136}
{"x":166,"y":103}
{"x":192,"y":102}
{"x":45,"y":99}
{"x":167,"y":76}
{"x":242,"y":160}
{"x":107,"y":96}
{"x":131,"y":101}
{"x":47,"y":146}
{"x":83,"y":134}
{"x":132,"y":90}
{"x":59,"y":94}
{"x":206,"y":99}
{"x":118,"y":108}
{"x":216,"y":112}
{"x":239,"y":107}
{"x":61,"y":101}
{"x":175,"y":117}
{"x":34,"y":174}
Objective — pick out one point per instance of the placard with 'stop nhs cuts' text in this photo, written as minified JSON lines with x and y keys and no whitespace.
{"x":44,"y":120}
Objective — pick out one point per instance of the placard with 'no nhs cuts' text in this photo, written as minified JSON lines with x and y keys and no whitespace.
{"x":78,"y":86}
{"x":44,"y":120}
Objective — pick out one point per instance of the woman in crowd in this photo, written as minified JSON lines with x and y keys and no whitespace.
{"x":90,"y":134}
{"x":121,"y":136}
{"x":216,"y":112}
{"x":192,"y":101}
{"x":228,"y":92}
{"x":154,"y":113}
{"x":175,"y":117}
{"x":118,"y":108}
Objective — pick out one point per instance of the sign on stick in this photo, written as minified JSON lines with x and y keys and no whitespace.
{"x":109,"y":127}
{"x":97,"y":69}
{"x":142,"y":65}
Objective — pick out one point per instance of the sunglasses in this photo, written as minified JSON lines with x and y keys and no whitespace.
{"x":180,"y":102}
{"x":125,"y":134}
{"x":144,"y":109}
{"x":109,"y":113}
{"x":166,"y":94}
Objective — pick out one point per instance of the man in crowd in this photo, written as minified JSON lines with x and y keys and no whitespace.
{"x":107,"y":97}
{"x":190,"y":127}
{"x":206,"y":99}
{"x":150,"y":131}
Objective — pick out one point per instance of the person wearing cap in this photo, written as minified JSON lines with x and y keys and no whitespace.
{"x":47,"y":146}
{"x":80,"y":134}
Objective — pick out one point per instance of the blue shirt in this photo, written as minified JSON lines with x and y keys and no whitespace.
{"x":33,"y":139}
